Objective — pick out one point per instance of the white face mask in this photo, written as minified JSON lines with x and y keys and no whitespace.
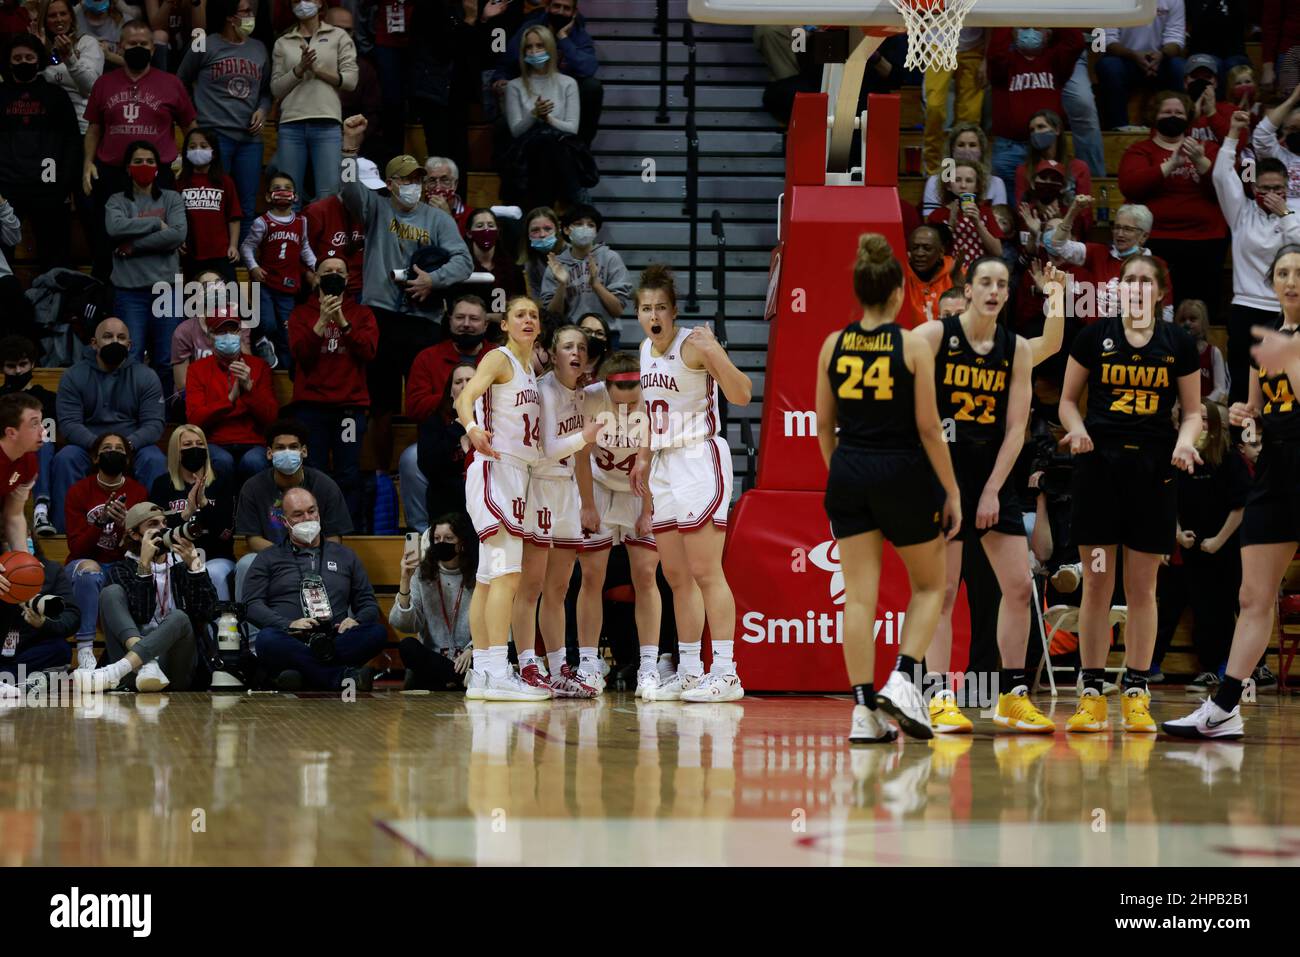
{"x":199,"y":157}
{"x":409,"y":194}
{"x":304,"y":533}
{"x":583,"y":236}
{"x":305,"y":10}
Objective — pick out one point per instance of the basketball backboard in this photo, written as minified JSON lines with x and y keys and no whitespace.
{"x":986,"y":13}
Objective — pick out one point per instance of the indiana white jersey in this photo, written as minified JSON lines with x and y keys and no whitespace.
{"x":513,"y":413}
{"x":614,"y":456}
{"x":562,"y":417}
{"x":682,"y":402}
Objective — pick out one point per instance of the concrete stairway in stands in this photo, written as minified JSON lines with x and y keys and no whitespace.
{"x":741,"y":161}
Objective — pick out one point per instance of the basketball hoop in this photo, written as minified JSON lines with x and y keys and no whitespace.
{"x":933,"y":28}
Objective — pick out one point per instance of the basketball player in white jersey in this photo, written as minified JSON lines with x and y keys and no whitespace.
{"x":553,"y":529}
{"x":500,"y":410}
{"x":618,"y":515}
{"x":687,"y":472}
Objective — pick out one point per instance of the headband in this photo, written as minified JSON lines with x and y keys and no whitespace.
{"x":624,"y":377}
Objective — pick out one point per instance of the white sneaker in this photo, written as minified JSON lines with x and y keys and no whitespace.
{"x":512,"y":688}
{"x":475,"y":684}
{"x":671,"y":689}
{"x":870,"y":727}
{"x":1208,"y":721}
{"x":9,"y":695}
{"x":646,"y":678}
{"x":902,"y":702}
{"x":716,"y":686}
{"x":150,"y":678}
{"x":593,"y":677}
{"x":86,"y":659}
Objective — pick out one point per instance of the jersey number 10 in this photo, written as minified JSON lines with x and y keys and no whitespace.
{"x":877,"y":377}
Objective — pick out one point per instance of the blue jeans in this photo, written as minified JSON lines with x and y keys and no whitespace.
{"x":252,"y":459}
{"x":276,"y":307}
{"x":1085,"y":128}
{"x":1118,"y":77}
{"x":243,"y":161}
{"x":318,"y":142}
{"x":72,"y":463}
{"x":415,"y":488}
{"x":220,"y":570}
{"x":1007,"y":155}
{"x":86,"y":586}
{"x":327,"y":438}
{"x":280,"y":651}
{"x":45,"y":459}
{"x":150,"y":321}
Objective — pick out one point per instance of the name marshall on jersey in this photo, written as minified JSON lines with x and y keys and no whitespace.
{"x":860,"y":342}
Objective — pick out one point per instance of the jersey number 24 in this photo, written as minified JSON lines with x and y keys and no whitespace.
{"x":876,"y":376}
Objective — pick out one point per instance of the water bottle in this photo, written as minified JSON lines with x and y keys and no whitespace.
{"x":1103,"y":210}
{"x":228,"y":630}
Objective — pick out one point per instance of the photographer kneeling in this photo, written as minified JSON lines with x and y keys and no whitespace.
{"x":154,"y":603}
{"x":312,"y":601}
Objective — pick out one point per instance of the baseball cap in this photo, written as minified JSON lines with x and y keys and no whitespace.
{"x":223,"y":317}
{"x":1050,"y":166}
{"x":140,"y":513}
{"x":1201,"y":61}
{"x":368,"y":173}
{"x":400,"y":166}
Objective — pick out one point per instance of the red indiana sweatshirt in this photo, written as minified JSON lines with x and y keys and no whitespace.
{"x":1023,"y":86}
{"x":84,"y":505}
{"x":1183,"y":204}
{"x":331,"y":369}
{"x":208,"y":405}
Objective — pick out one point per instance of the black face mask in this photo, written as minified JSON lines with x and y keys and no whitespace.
{"x":137,"y":58}
{"x":1293,"y":141}
{"x":15,"y":383}
{"x":444,"y":551}
{"x":557,"y":22}
{"x":1196,"y":88}
{"x":468,"y":342}
{"x":112,"y":463}
{"x":333,"y":283}
{"x":595,"y":348}
{"x":194,"y":458}
{"x":1171,"y":126}
{"x":113,"y":354}
{"x":1048,"y":192}
{"x":24,"y":72}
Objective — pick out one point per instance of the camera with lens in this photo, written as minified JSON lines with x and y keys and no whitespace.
{"x":1056,"y":465}
{"x":189,"y":530}
{"x":50,"y":606}
{"x":321,"y":645}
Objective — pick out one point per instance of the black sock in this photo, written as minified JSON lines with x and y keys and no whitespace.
{"x":908,"y":667}
{"x":1013,"y":678}
{"x":1229,"y":694}
{"x":1135,"y":679}
{"x":1094,"y":679}
{"x":865,"y":695}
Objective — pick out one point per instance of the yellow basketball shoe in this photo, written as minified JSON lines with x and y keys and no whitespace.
{"x":946,"y":717}
{"x":1091,"y":715}
{"x":1017,"y":713}
{"x":1136,"y":705}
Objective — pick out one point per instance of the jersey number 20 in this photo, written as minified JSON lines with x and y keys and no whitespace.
{"x":877,"y":377}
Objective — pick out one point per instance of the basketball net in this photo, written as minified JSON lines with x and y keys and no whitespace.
{"x":933,"y":28}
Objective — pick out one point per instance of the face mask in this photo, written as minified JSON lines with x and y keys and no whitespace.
{"x":304,"y":533}
{"x":333,"y":283}
{"x":1030,"y":41}
{"x":137,"y":58}
{"x":582,"y":235}
{"x":468,"y":342}
{"x":247,"y":25}
{"x":557,"y":22}
{"x":1042,"y":139}
{"x":545,"y":244}
{"x":1243,"y":89}
{"x":1292,"y":141}
{"x":1195,"y":88}
{"x":305,"y":10}
{"x":96,"y":6}
{"x":112,"y":463}
{"x":15,"y":383}
{"x":1171,"y":126}
{"x":143,"y":175}
{"x":1047,"y":192}
{"x":967,"y":154}
{"x":199,"y":157}
{"x":24,"y":72}
{"x":408,"y":194}
{"x":282,"y":197}
{"x":595,"y":348}
{"x":113,"y":354}
{"x":538,"y":59}
{"x":227,"y":343}
{"x":286,"y":461}
{"x":444,"y":551}
{"x":194,"y":458}
{"x":446,"y":192}
{"x":484,"y":238}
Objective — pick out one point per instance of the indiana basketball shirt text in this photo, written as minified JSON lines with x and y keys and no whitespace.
{"x":92,"y":911}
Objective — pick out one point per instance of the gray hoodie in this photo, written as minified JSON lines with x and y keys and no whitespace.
{"x":155,"y":255}
{"x":578,"y":297}
{"x":392,"y":237}
{"x":91,"y":402}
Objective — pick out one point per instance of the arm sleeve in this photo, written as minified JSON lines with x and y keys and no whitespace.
{"x":141,"y":599}
{"x":81,"y":534}
{"x":88,"y":67}
{"x":548,"y":288}
{"x":420,"y":400}
{"x":409,"y":620}
{"x":304,"y":344}
{"x":11,"y":230}
{"x":518,"y":116}
{"x":616,"y":279}
{"x":1226,"y":184}
{"x":256,"y":593}
{"x":165,"y":240}
{"x":362,"y":600}
{"x":459,"y":266}
{"x":362,"y":336}
{"x":335,"y":517}
{"x":347,"y":63}
{"x":189,"y":67}
{"x":579,"y":53}
{"x":71,"y":415}
{"x":120,"y":224}
{"x":148,"y":411}
{"x":200,"y":596}
{"x":307,"y":256}
{"x":566,"y":116}
{"x":1264,"y":139}
{"x":356,"y":197}
{"x":248,"y":248}
{"x":1291,"y":228}
{"x":1139,"y":178}
{"x":205,"y":405}
{"x":282,"y":78}
{"x":261,"y":401}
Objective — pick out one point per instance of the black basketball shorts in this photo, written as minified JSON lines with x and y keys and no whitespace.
{"x":895,"y":492}
{"x":973,"y":464}
{"x":1125,"y":495}
{"x":1272,"y":514}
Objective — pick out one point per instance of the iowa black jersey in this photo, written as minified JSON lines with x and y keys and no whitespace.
{"x":973,"y":389}
{"x":1280,"y":415}
{"x":873,"y":389}
{"x":1132,"y":391}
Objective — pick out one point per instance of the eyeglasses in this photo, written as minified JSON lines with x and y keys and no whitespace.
{"x":1279,"y":190}
{"x":1123,"y":228}
{"x":440,"y":180}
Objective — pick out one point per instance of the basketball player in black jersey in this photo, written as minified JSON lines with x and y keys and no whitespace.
{"x":1270,"y":527}
{"x":875,"y":387}
{"x":1136,"y":367}
{"x":983,"y":385}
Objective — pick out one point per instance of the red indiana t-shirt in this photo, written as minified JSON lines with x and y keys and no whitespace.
{"x":210,"y":206}
{"x":127,"y":110}
{"x":334,"y":234}
{"x":393,"y":23}
{"x":14,"y":474}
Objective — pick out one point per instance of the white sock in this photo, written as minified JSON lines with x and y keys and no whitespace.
{"x":587,"y":656}
{"x":649,"y":654}
{"x":496,"y":661}
{"x":85,"y":643}
{"x":665,"y":666}
{"x":555,"y":660}
{"x":116,"y":671}
{"x":689,"y":657}
{"x":527,"y":658}
{"x":722,"y":660}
